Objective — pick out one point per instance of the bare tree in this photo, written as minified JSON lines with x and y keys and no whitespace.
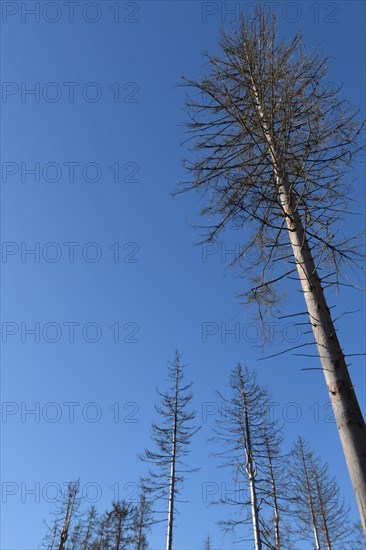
{"x":66,"y":522}
{"x":120,"y":525}
{"x":251,"y":441}
{"x":75,"y":536}
{"x":90,"y":526}
{"x":275,"y":147}
{"x":70,"y":507}
{"x":317,"y":504}
{"x":207,"y":544}
{"x":358,"y":536}
{"x":49,"y":540}
{"x":103,"y":537}
{"x":303,"y":493}
{"x":142,"y":521}
{"x":276,"y":529}
{"x":172,"y":439}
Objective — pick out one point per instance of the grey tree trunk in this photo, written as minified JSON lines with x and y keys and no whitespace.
{"x":139,"y":535}
{"x":346,"y":409}
{"x":169,"y":537}
{"x":254,"y":503}
{"x":311,"y":500}
{"x":252,"y":474}
{"x":276,"y":515}
{"x":72,"y":491}
{"x":322,"y":511}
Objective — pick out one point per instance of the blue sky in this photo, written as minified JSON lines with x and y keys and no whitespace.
{"x":116,"y":284}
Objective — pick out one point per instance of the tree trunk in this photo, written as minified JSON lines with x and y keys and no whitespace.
{"x":169,"y":538}
{"x":346,"y":409}
{"x":276,"y":514}
{"x":67,"y":518}
{"x":139,"y":536}
{"x":251,"y":472}
{"x":322,"y":511}
{"x":347,"y":412}
{"x":310,"y":499}
{"x":254,"y":504}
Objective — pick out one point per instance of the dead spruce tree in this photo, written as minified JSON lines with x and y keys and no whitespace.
{"x":142,"y":521}
{"x":251,"y":441}
{"x":172,"y":439}
{"x":275,"y":145}
{"x":121,"y":518}
{"x":318,"y":509}
{"x":89,"y":528}
{"x":276,"y":530}
{"x":67,"y":520}
{"x":207,"y":543}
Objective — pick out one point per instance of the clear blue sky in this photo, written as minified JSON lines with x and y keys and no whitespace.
{"x":106,"y":96}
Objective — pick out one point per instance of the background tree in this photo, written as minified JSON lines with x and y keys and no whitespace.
{"x":318,"y":508}
{"x":102,"y":540}
{"x":70,"y":506}
{"x":75,"y":537}
{"x":66,"y":519}
{"x":276,"y":528}
{"x":89,"y":528}
{"x":275,"y":145}
{"x":50,"y":538}
{"x":142,"y":521}
{"x":207,"y":543}
{"x":252,"y":441}
{"x":120,"y":525}
{"x":171,"y":444}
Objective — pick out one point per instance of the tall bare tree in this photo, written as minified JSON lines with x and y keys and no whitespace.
{"x":172,"y":439}
{"x":317,"y":504}
{"x":251,"y":441}
{"x":275,"y":144}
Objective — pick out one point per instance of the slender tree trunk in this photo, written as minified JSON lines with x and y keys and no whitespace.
{"x":276,"y":515}
{"x":169,"y":538}
{"x":310,"y":499}
{"x":119,"y":533}
{"x":254,"y":502}
{"x":53,"y":538}
{"x":67,"y":519}
{"x":313,"y":520}
{"x":251,"y":472}
{"x":322,"y":511}
{"x":347,"y":412}
{"x":139,"y":536}
{"x":87,"y":537}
